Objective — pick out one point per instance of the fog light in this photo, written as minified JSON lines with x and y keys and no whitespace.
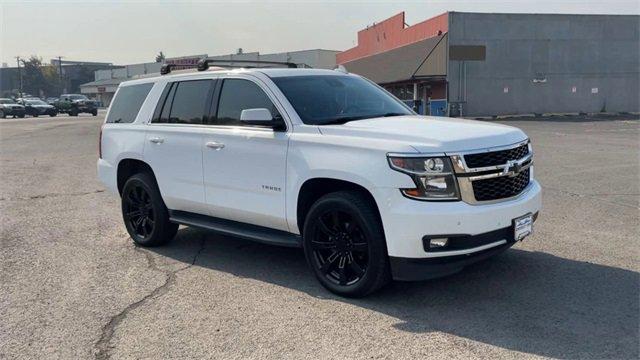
{"x":438,"y":243}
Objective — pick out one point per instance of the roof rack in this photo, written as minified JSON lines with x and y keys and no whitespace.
{"x":203,"y":64}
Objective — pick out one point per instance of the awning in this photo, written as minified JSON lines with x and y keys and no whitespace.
{"x":424,"y":58}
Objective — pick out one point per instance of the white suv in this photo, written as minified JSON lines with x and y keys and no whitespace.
{"x":318,"y":159}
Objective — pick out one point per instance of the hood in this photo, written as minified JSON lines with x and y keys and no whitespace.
{"x":431,"y":134}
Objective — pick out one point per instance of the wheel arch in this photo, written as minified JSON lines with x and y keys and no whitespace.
{"x":128,"y":167}
{"x":315,"y":188}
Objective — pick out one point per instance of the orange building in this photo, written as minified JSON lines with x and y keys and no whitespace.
{"x":409,"y":61}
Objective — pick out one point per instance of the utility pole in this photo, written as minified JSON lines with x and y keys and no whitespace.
{"x":19,"y":74}
{"x":60,"y":74}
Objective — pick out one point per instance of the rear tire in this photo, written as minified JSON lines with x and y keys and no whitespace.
{"x":2,"y":114}
{"x":73,"y":113}
{"x":94,"y":113}
{"x":144,"y":213}
{"x":344,"y":244}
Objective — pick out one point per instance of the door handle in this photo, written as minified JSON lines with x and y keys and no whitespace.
{"x":156,"y":140}
{"x":215,"y":145}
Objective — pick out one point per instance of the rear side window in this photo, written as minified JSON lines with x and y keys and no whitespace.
{"x":189,"y":102}
{"x":237,"y":95}
{"x":127,"y":103}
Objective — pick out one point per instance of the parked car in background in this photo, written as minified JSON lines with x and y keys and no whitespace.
{"x":37,"y":107}
{"x":8,"y":107}
{"x":74,"y":104}
{"x":51,"y":100}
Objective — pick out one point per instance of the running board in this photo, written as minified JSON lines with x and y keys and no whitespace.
{"x":237,"y":229}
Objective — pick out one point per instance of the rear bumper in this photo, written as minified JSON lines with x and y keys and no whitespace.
{"x":107,"y":175}
{"x":14,"y":112}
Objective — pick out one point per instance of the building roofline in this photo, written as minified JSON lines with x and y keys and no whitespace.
{"x":536,"y":13}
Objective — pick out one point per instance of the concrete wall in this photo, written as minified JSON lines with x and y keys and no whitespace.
{"x":546,"y":63}
{"x":128,"y":71}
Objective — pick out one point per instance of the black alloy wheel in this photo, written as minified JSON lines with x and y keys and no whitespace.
{"x":144,"y":212}
{"x":340,"y":249}
{"x":344,"y":244}
{"x":138,"y":211}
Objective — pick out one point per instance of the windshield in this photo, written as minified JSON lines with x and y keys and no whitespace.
{"x":7,"y":101}
{"x":337,"y":99}
{"x":35,"y":102}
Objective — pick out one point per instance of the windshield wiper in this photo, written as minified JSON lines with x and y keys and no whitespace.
{"x":346,"y":119}
{"x":393,"y":114}
{"x":343,"y":120}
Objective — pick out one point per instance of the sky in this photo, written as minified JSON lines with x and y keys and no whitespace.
{"x":128,"y":32}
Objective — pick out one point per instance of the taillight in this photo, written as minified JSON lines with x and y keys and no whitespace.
{"x":100,"y":143}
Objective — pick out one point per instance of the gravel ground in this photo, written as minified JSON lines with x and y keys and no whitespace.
{"x":72,"y":284}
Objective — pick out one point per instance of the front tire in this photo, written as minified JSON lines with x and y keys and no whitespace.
{"x":73,"y":112}
{"x":344,"y":244}
{"x":144,"y":213}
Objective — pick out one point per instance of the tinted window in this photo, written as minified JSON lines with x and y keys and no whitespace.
{"x":237,"y":95}
{"x":127,"y":103}
{"x":163,"y":108}
{"x":189,"y":102}
{"x":325,"y":99}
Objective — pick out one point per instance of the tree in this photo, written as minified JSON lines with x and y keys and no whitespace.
{"x":52,"y":78}
{"x":160,"y":57}
{"x":33,"y":79}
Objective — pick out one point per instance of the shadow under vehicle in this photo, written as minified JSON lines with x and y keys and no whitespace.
{"x":526,"y":301}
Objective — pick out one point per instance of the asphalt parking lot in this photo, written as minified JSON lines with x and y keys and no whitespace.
{"x":73,"y":285}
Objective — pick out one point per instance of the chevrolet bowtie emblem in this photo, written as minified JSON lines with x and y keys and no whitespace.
{"x":512,"y":168}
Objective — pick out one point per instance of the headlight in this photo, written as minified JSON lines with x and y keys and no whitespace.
{"x":433,"y":176}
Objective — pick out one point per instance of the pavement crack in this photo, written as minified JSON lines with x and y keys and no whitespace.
{"x":51,"y":195}
{"x":103,"y":345}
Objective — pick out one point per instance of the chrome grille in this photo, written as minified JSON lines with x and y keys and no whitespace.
{"x":500,"y":187}
{"x":496,"y":157}
{"x":495,"y":175}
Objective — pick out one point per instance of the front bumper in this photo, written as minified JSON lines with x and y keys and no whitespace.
{"x":409,"y":269}
{"x":407,"y":221}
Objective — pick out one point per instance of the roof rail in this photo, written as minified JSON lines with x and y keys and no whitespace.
{"x":166,"y":68}
{"x":203,"y":64}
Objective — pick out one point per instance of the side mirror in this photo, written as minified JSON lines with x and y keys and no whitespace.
{"x":263,"y":117}
{"x":258,"y":116}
